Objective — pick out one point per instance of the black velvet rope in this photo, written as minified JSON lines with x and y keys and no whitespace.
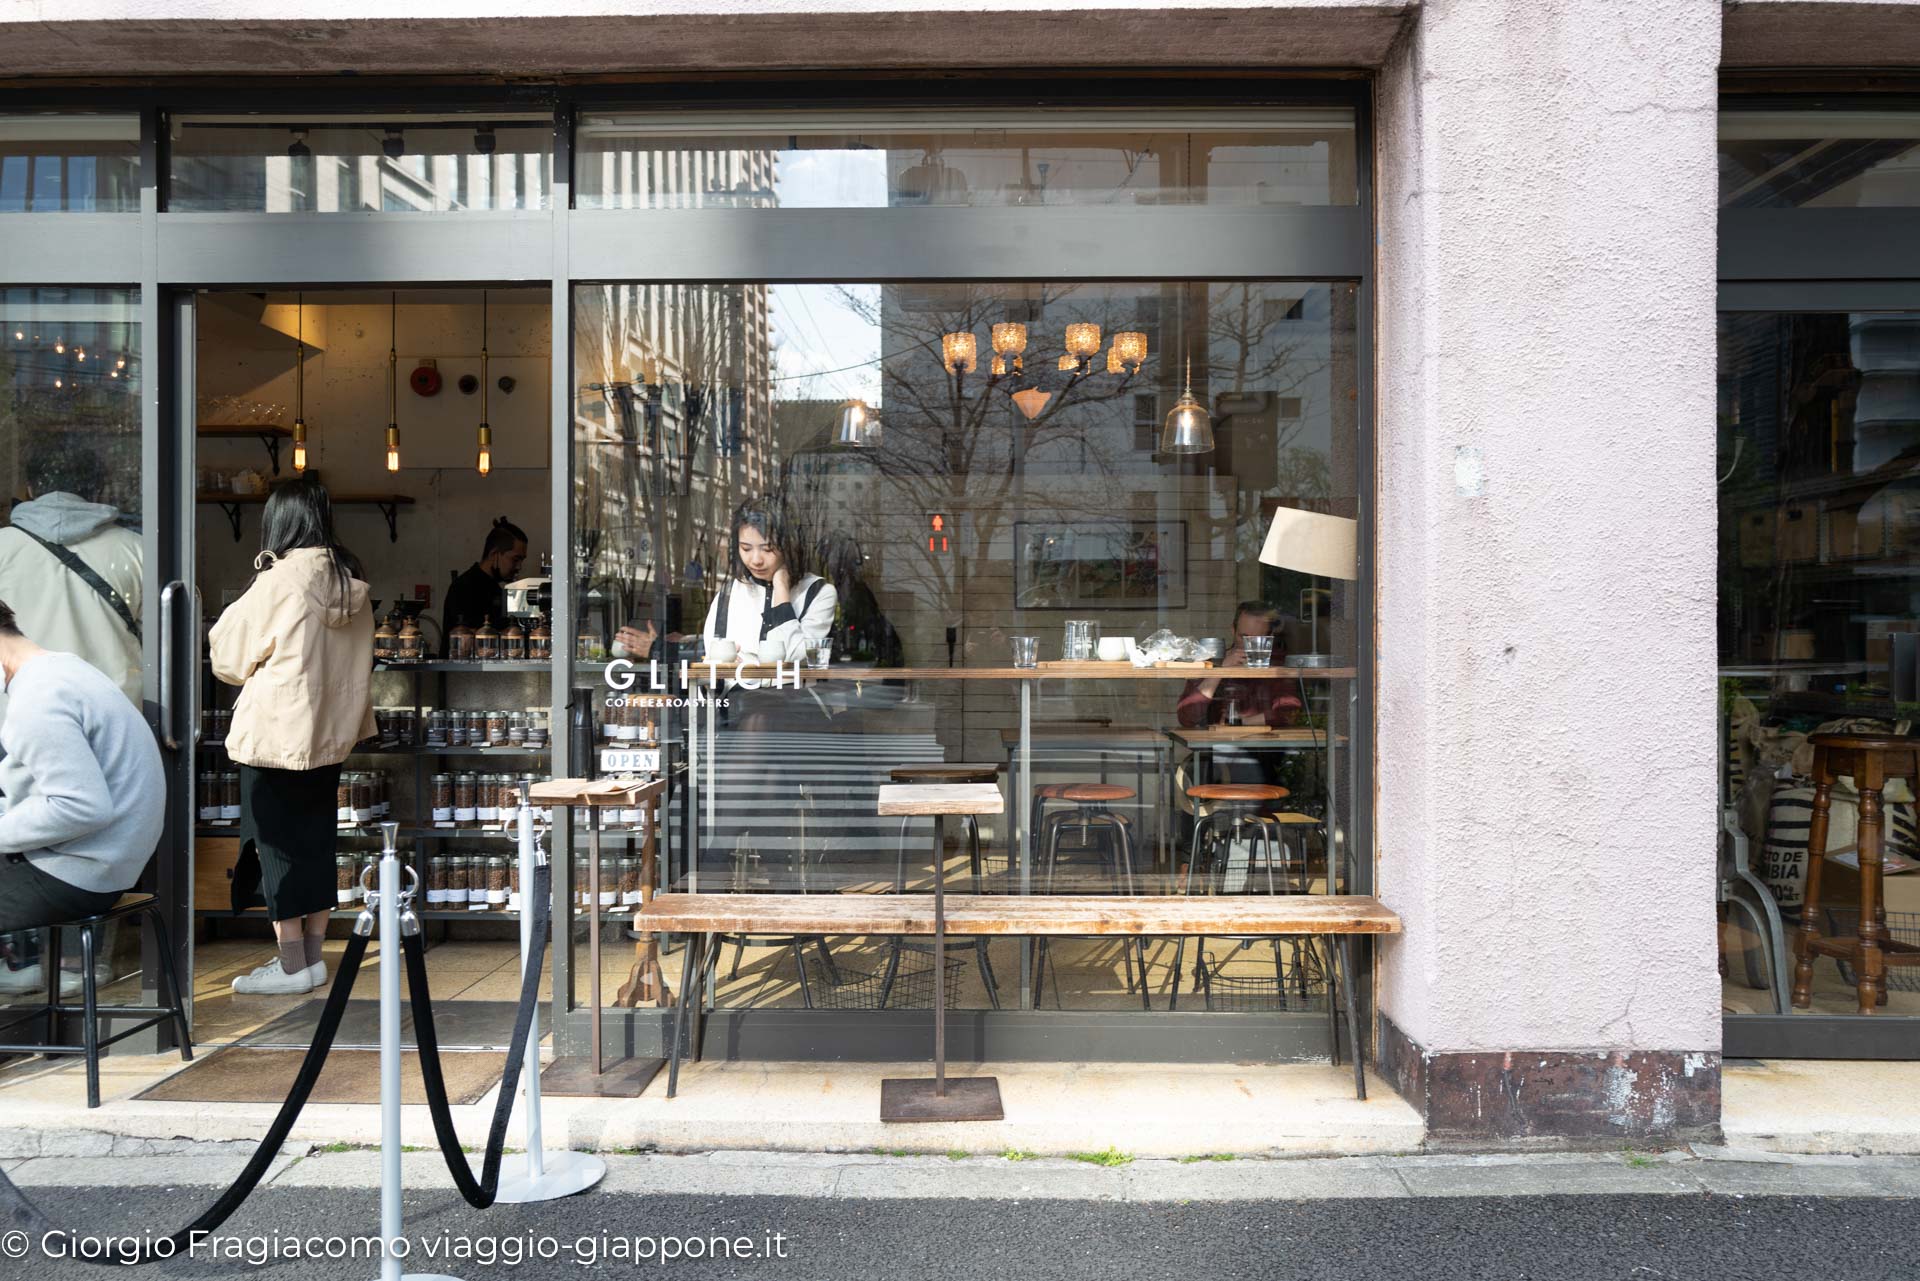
{"x":19,"y":1212}
{"x":479,"y":1192}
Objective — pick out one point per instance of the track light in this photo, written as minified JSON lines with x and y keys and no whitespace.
{"x":298,"y":148}
{"x":393,"y":144}
{"x":483,"y":140}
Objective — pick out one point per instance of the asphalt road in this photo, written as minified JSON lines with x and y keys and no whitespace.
{"x":1552,"y":1238}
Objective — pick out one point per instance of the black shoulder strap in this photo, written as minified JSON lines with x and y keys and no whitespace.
{"x":86,"y":574}
{"x":720,"y":619}
{"x":807,"y":604}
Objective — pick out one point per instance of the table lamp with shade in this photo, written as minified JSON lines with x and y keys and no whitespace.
{"x":1318,"y":545}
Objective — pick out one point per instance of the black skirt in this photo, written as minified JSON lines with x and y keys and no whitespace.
{"x":289,"y":816}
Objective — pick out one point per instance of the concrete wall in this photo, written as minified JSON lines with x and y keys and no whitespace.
{"x":1546,"y":524}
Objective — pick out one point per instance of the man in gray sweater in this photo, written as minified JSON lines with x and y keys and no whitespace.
{"x":84,"y":794}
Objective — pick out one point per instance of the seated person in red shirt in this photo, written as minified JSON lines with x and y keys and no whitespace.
{"x":1223,"y":700}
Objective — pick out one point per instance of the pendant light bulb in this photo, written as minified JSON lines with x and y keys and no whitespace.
{"x":483,"y":463}
{"x":299,"y":384}
{"x":393,"y":384}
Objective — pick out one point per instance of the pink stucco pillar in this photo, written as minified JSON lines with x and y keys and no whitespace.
{"x":1546,"y":527}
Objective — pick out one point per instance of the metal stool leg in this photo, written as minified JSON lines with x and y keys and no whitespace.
{"x":50,"y":966}
{"x":89,"y":1004}
{"x":690,"y":961}
{"x":176,"y":1002}
{"x":702,"y":995}
{"x":800,"y":965}
{"x":986,"y":971}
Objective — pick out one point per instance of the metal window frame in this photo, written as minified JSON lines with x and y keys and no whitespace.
{"x":169,"y":255}
{"x":1818,"y":260}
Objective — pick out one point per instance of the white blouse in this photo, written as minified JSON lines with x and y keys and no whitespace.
{"x":775,"y":634}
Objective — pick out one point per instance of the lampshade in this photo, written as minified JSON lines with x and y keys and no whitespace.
{"x":1032,"y":401}
{"x":1129,"y":348}
{"x":1312,"y":543}
{"x":1010,"y":338}
{"x":858,"y":428}
{"x":1083,"y":338}
{"x":958,"y":351}
{"x":1068,"y":361}
{"x":1189,"y":427}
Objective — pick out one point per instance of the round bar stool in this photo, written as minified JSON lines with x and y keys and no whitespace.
{"x":1229,"y":809}
{"x":1110,"y":837}
{"x":945,"y":773}
{"x":1870,"y":760}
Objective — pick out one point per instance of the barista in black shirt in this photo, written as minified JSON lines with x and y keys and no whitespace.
{"x":479,"y":594}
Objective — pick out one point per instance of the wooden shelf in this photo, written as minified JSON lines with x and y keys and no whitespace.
{"x":389,"y":505}
{"x":268,"y":434}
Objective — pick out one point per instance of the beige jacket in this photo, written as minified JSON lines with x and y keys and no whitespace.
{"x":304,"y":661}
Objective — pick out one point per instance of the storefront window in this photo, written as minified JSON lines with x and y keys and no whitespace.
{"x":70,"y":434}
{"x":1819,"y":629}
{"x":69,"y":164}
{"x":372,"y":164}
{"x":946,"y":468}
{"x":1292,"y":157}
{"x":1819,"y":159}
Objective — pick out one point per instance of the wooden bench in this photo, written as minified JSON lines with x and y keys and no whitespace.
{"x":1345,"y":916}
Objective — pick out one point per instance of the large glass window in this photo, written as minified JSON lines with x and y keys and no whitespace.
{"x":1819,"y":623}
{"x":1819,"y":159}
{"x":945,"y":468}
{"x":69,"y":164}
{"x":360,"y":164}
{"x":1301,"y":156}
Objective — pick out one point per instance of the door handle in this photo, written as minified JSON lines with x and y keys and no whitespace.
{"x":169,"y":666}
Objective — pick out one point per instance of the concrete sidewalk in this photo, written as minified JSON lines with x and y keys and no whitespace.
{"x":1146,"y":1110}
{"x":1715,"y":1171}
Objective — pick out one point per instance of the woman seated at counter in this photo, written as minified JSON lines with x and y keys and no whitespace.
{"x":772,"y":610}
{"x":1223,"y":700}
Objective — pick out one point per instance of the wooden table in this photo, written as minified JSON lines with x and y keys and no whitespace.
{"x":976,"y":1098}
{"x":645,"y":980}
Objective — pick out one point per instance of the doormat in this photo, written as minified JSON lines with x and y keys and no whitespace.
{"x":242,"y":1075}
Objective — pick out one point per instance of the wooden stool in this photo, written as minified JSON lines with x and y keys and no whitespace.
{"x":972,"y":1098}
{"x":1090,"y":814}
{"x":1870,"y":760}
{"x":942,"y":773}
{"x":1230,"y":807}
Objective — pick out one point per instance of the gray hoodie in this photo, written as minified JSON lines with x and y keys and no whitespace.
{"x":85,"y":796}
{"x":55,"y":606}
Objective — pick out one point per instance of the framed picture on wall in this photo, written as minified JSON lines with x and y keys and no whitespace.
{"x":1100,"y":564}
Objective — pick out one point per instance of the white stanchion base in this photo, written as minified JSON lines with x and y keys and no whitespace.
{"x":561,"y":1174}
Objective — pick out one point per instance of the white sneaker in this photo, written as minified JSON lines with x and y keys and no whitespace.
{"x":25,"y":980}
{"x":32,"y":980}
{"x":271,"y":980}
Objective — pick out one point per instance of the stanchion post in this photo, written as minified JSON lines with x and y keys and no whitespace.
{"x":391,"y":899}
{"x":534,"y":1175}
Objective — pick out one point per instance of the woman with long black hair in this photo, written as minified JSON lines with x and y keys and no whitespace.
{"x":299,"y":644}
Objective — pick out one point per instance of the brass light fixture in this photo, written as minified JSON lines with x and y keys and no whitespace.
{"x":1009,"y":340}
{"x":484,"y":464}
{"x":299,"y":384}
{"x":1189,"y":428}
{"x":393,"y":382}
{"x":959,"y":352}
{"x":1083,"y":338}
{"x":1129,"y":349}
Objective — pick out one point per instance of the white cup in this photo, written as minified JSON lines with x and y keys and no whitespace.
{"x":722,"y":650}
{"x":1113,"y":649}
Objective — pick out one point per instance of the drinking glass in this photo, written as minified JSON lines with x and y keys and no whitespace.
{"x":1082,"y":635}
{"x":820,"y":656}
{"x":1259,"y":650}
{"x":1026,"y":650}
